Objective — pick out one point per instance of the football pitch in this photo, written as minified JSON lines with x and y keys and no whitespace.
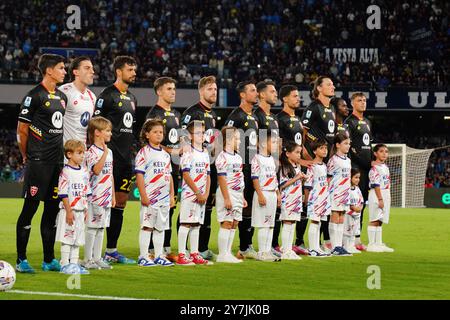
{"x":418,"y":269}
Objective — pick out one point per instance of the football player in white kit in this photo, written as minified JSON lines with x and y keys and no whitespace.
{"x":74,"y":190}
{"x":339,"y":168}
{"x":153,"y":178}
{"x":194,"y":193}
{"x":81,"y":101}
{"x":266,"y":197}
{"x":99,"y":164}
{"x":379,"y":199}
{"x":230,"y":192}
{"x":317,"y":197}
{"x":351,"y":220}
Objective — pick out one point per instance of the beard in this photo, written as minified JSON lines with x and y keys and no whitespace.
{"x":129,"y":81}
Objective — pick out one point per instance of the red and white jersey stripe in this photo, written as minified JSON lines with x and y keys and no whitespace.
{"x":101,"y":184}
{"x":73,"y":184}
{"x":379,"y":176}
{"x":196,"y":162}
{"x":339,"y":170}
{"x":319,"y":196}
{"x":155,"y":165}
{"x":230,"y":166}
{"x":264,"y":169}
{"x":291,"y":196}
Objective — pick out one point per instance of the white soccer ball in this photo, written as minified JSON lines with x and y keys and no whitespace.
{"x":7,"y":276}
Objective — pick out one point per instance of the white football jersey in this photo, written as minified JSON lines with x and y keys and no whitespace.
{"x":74,"y":184}
{"x":156,"y":167}
{"x":102,"y":184}
{"x":230,"y":166}
{"x":339,"y":169}
{"x":264,"y":169}
{"x":292,"y":197}
{"x":319,"y":196}
{"x":196,"y":162}
{"x":79,"y":110}
{"x":355,"y":198}
{"x":379,"y":177}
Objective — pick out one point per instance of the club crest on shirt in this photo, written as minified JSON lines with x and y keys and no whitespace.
{"x":27,"y":102}
{"x":33,"y":190}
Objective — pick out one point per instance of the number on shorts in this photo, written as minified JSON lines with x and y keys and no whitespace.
{"x":126,"y":186}
{"x":55,"y":193}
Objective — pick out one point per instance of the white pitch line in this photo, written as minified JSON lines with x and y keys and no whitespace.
{"x":60,"y":294}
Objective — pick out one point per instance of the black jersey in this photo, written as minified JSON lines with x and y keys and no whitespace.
{"x":199,"y":112}
{"x":291,"y":128}
{"x":247,"y":122}
{"x":342,"y":127}
{"x":361,"y":137}
{"x":119,"y":108}
{"x":320,"y":122}
{"x":171,"y":120}
{"x":266,"y":121}
{"x":44,"y":111}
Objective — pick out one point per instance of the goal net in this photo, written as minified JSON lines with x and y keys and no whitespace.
{"x":408,"y":167}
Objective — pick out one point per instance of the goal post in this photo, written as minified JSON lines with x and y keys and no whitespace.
{"x":408,"y":168}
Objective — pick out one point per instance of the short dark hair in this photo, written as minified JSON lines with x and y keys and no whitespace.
{"x":262,"y":85}
{"x":354,"y":171}
{"x":75,"y":64}
{"x":121,"y":61}
{"x":335,"y":102}
{"x":162,"y":81}
{"x":286,"y":90}
{"x":317,"y":144}
{"x":241,"y":86}
{"x":49,"y":60}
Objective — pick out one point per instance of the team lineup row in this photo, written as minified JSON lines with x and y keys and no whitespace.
{"x":50,"y":116}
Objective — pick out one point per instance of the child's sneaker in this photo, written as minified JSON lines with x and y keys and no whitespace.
{"x":146,"y":262}
{"x":385,"y":248}
{"x":318,"y":254}
{"x":89,"y":264}
{"x":172,"y":257}
{"x":162,"y":261}
{"x":102,"y":264}
{"x":361,"y":247}
{"x":184,"y":261}
{"x":277,"y":251}
{"x":374,"y":248}
{"x":198,"y":259}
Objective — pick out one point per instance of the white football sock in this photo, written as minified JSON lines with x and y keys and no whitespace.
{"x":352,"y":242}
{"x":193,"y":239}
{"x":89,"y":243}
{"x":65,"y":254}
{"x":313,"y":236}
{"x":340,"y":235}
{"x":110,"y":250}
{"x":182,"y":239}
{"x":371,"y":233}
{"x":144,"y":242}
{"x":98,"y":244}
{"x":346,"y":242}
{"x":332,"y":229}
{"x":158,"y":242}
{"x":262,"y":238}
{"x":379,"y":236}
{"x":74,"y":254}
{"x":222,"y":242}
{"x":269,"y":240}
{"x":285,"y":237}
{"x":291,"y":236}
{"x":230,"y":240}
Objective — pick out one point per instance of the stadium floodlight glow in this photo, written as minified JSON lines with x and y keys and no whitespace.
{"x":446,"y":117}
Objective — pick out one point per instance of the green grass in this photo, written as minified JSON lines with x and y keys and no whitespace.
{"x":418,"y":269}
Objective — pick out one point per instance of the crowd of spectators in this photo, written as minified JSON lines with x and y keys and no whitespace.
{"x":11,"y":168}
{"x":236,"y":39}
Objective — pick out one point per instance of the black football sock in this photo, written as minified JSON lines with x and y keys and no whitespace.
{"x":276,"y":230}
{"x":300,"y":229}
{"x":23,"y":227}
{"x":48,"y":229}
{"x":115,"y":227}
